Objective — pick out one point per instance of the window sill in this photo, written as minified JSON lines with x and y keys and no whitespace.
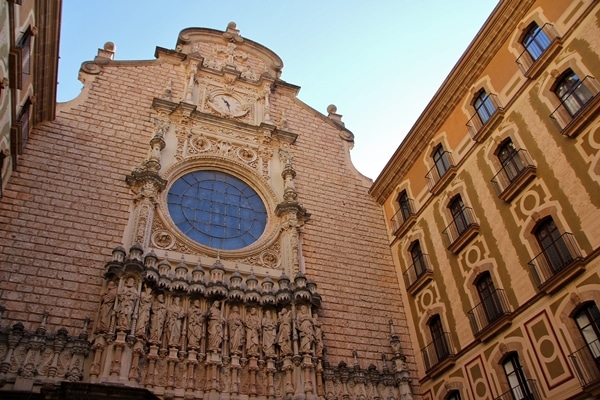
{"x":444,"y":180}
{"x":489,"y":126}
{"x":419,"y":283}
{"x":564,"y":276}
{"x":405,"y":226}
{"x":582,"y":119}
{"x":464,"y":239}
{"x":518,"y":184}
{"x":494,"y":328}
{"x":542,"y":62}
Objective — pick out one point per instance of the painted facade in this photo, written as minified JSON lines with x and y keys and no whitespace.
{"x":493,"y":209}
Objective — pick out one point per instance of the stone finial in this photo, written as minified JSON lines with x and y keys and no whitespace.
{"x":108,"y":52}
{"x":332,"y":114}
{"x":232,"y":34}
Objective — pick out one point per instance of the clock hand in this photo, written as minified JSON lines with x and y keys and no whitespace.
{"x":227,"y":104}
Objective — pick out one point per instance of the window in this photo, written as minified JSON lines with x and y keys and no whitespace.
{"x":571,"y":92}
{"x":217,"y":209}
{"x":453,"y":395}
{"x":510,"y":160}
{"x":588,"y":321}
{"x":23,"y":123}
{"x":441,"y":160}
{"x":484,"y":106}
{"x":459,"y":216}
{"x":553,"y":245}
{"x":438,"y":338}
{"x":416,"y":254}
{"x":535,"y":41}
{"x":517,"y":381}
{"x":405,"y":208}
{"x":25,"y":45}
{"x":489,"y":297}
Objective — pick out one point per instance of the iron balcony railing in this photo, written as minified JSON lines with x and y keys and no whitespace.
{"x":439,"y":350}
{"x":575,"y":101}
{"x":438,"y":171}
{"x":407,"y":210}
{"x":529,"y":56}
{"x":490,"y":310}
{"x":557,"y":256}
{"x":586,"y":363}
{"x":528,"y":390}
{"x":519,"y":162}
{"x":486,"y":111}
{"x":459,"y":225}
{"x":419,"y":267}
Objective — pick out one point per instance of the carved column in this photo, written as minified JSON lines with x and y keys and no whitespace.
{"x":60,"y":341}
{"x":98,"y":347}
{"x":152,"y":358}
{"x":138,"y":351}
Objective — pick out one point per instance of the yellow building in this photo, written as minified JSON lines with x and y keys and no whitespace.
{"x":493,"y":209}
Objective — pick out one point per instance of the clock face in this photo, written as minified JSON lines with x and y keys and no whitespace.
{"x":227,"y":105}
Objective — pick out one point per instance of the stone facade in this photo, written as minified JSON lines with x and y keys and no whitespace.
{"x":103,"y":281}
{"x":493,"y":208}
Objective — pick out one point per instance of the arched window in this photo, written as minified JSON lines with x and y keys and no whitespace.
{"x":553,"y":245}
{"x":588,"y":322}
{"x":441,"y":160}
{"x":453,"y":395}
{"x":442,"y":350}
{"x":459,"y":216}
{"x":535,"y":41}
{"x":512,"y":164}
{"x":517,"y":380}
{"x":489,"y":297}
{"x":484,"y":106}
{"x":416,"y":254}
{"x":405,"y":207}
{"x":571,"y":92}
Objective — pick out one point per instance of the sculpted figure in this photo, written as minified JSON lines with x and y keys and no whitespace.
{"x":195,"y":325}
{"x":106,"y":307}
{"x":284,"y":340}
{"x":269,"y":331}
{"x":318,"y":336}
{"x":236,"y":330}
{"x":144,"y":311}
{"x":253,"y":333}
{"x":215,"y":327}
{"x":305,"y":329}
{"x":159,"y":311}
{"x":175,"y":316}
{"x":127,"y":298}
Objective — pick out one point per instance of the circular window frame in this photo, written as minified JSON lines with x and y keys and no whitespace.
{"x":237,"y":170}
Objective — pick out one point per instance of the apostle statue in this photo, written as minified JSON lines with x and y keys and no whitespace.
{"x":253,"y":333}
{"x":236,"y":331}
{"x":127,"y":297}
{"x":175,"y":315}
{"x":196,"y":320}
{"x":215,"y":327}
{"x":106,"y":307}
{"x":159,"y":312}
{"x":269,"y":332}
{"x":284,"y":341}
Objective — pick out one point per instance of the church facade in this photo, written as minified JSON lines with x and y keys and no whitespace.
{"x":493,"y":209}
{"x":188,"y":228}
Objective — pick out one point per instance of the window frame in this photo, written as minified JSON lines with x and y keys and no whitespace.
{"x":571,"y":92}
{"x":440,"y":160}
{"x":484,"y":106}
{"x":535,"y":41}
{"x":521,"y":390}
{"x":590,"y":332}
{"x":551,"y":242}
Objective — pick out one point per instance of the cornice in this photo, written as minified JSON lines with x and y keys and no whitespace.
{"x":484,"y":47}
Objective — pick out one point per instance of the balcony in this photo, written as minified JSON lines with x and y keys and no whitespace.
{"x":484,"y":121}
{"x":587,"y":367}
{"x":528,"y":390}
{"x":404,"y":218}
{"x":437,"y":179}
{"x":517,"y":172}
{"x":557,"y":264}
{"x":418,"y":274}
{"x":578,"y":108}
{"x":531,"y":66}
{"x":490,"y":316}
{"x":438,"y":355}
{"x":461,"y":230}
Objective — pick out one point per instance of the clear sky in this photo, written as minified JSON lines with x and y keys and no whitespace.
{"x":379,"y":61}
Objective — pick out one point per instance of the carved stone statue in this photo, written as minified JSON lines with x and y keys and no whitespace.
{"x":127,"y":297}
{"x":106,"y":307}
{"x":236,"y":331}
{"x":284,"y":340}
{"x":196,"y":320}
{"x":305,"y":329}
{"x":269,"y":332}
{"x":144,"y":311}
{"x":175,"y":315}
{"x":159,"y":311}
{"x":215,"y":327}
{"x":253,"y":333}
{"x":318,"y":336}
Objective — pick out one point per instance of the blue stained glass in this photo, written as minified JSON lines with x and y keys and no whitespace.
{"x":217,"y":209}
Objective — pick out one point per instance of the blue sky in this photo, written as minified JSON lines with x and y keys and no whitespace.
{"x":378,"y":61}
